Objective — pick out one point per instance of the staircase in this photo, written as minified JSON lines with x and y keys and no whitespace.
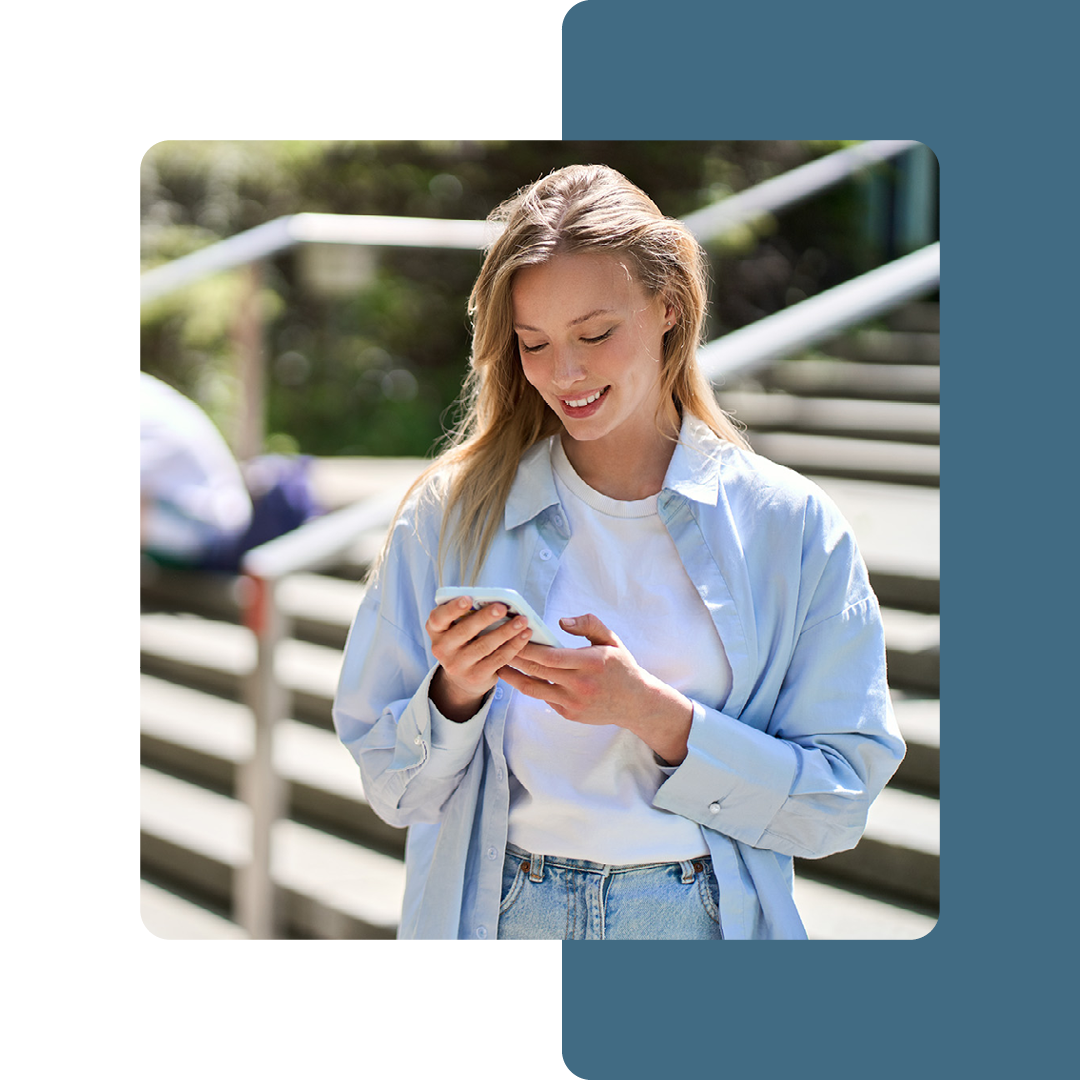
{"x":859,"y":416}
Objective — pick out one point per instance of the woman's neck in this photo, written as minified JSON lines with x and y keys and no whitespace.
{"x":626,"y":468}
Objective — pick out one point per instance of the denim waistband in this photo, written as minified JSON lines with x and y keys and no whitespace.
{"x":537,"y":863}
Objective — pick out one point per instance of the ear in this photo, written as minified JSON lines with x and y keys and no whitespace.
{"x":671,"y":313}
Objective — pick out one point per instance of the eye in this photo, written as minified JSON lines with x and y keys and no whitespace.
{"x":597,"y":340}
{"x":530,"y":348}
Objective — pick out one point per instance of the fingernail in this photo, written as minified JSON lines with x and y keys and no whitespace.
{"x":569,"y":622}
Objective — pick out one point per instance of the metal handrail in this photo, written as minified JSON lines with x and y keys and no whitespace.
{"x":817,"y":318}
{"x":324,"y":539}
{"x":321,"y":540}
{"x":795,"y":186}
{"x":284,"y":233}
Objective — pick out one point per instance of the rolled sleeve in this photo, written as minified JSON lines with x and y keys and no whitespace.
{"x":453,"y":742}
{"x":734,"y":779}
{"x":804,"y":784}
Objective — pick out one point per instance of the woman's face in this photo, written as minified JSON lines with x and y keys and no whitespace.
{"x":591,"y":342}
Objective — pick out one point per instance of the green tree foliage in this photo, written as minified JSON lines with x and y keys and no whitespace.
{"x":376,"y":369}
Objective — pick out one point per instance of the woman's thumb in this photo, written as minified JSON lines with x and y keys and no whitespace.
{"x":589,"y":626}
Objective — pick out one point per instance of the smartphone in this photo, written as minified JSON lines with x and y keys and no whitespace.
{"x":516,"y":604}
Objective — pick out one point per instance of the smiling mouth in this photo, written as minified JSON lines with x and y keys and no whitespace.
{"x":581,"y":403}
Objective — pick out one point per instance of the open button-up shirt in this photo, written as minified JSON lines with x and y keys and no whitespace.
{"x":805,"y":741}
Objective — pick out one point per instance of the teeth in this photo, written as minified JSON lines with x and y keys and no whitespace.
{"x":584,"y":401}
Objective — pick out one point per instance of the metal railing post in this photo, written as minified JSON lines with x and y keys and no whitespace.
{"x":247,"y":336}
{"x":256,"y":901}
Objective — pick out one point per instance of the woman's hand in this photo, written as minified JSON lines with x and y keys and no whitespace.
{"x":470,"y":663}
{"x":603,"y":684}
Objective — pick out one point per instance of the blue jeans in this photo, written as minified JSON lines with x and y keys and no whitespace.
{"x":544,"y":896}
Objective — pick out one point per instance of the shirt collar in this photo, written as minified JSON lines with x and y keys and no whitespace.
{"x":694,"y":472}
{"x":533,"y":489}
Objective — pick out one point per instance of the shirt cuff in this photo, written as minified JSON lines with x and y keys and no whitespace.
{"x":451,"y":735}
{"x":734,"y":778}
{"x":447,"y":747}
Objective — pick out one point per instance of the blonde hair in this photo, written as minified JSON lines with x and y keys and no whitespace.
{"x":574,"y":209}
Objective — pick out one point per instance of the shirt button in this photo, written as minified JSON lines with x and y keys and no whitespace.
{"x":498,"y":693}
{"x":714,"y":808}
{"x":500,"y":776}
{"x":557,"y":520}
{"x":545,"y":554}
{"x":492,"y":853}
{"x":417,"y":741}
{"x":481,"y":931}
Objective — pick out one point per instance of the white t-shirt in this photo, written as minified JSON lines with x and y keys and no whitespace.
{"x":584,"y":791}
{"x":191,"y":484}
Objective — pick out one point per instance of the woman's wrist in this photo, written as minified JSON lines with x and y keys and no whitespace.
{"x":664,"y":725}
{"x":454,"y":703}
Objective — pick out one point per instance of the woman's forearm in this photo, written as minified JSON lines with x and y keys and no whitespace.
{"x":664,"y":723}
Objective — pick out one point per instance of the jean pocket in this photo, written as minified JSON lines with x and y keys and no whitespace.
{"x":515,"y":870}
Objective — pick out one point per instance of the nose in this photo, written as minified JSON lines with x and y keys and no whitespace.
{"x":566,"y":369}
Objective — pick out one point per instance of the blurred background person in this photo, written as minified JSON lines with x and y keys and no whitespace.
{"x":201,"y":508}
{"x":195,"y":502}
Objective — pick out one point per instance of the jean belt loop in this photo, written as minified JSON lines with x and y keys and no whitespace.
{"x":687,"y":872}
{"x":536,"y":867}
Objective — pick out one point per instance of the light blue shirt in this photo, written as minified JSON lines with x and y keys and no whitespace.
{"x":805,"y":742}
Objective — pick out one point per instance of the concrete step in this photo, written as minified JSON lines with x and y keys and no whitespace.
{"x":873,"y":346}
{"x":920,"y":723}
{"x":206,"y":739}
{"x":167,"y":915}
{"x":898,"y":528}
{"x":823,"y":376}
{"x":330,"y":888}
{"x":898,"y":855}
{"x":832,"y":914}
{"x":918,"y":315}
{"x":322,"y":606}
{"x":912,"y":649}
{"x":857,"y":459}
{"x":894,"y":421}
{"x":217,"y":657}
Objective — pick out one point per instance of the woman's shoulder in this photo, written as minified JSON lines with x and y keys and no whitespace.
{"x":420,"y":512}
{"x":757,"y":486}
{"x":717,"y":472}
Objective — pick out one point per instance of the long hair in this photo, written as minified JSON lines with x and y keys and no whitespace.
{"x":579,"y":208}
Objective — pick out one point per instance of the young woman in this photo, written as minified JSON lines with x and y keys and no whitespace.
{"x":719,"y":703}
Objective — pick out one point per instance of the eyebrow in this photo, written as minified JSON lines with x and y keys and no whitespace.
{"x":573,"y":322}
